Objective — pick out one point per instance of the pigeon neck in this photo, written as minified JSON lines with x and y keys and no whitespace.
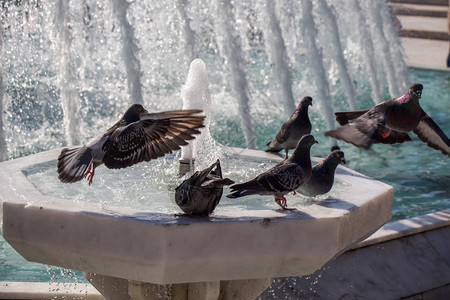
{"x":301,"y":111}
{"x":404,"y":98}
{"x":301,"y":156}
{"x":329,"y":163}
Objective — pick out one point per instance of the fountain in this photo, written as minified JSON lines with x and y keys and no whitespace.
{"x":134,"y":248}
{"x":120,"y":50}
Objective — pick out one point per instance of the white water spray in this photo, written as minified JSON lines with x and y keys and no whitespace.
{"x":3,"y":146}
{"x":276,"y":49}
{"x":67,"y":79}
{"x":230,"y":48}
{"x":337,"y":52}
{"x":382,"y":46}
{"x":396,"y":49}
{"x":188,"y":33}
{"x":368,"y":53}
{"x":129,"y":51}
{"x":195,"y":94}
{"x":317,"y":69}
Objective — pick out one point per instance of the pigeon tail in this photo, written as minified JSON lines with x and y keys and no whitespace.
{"x":244,"y":189}
{"x":344,"y":117}
{"x":73,"y":163}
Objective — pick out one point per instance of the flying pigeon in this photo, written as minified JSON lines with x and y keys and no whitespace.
{"x":322,"y":176}
{"x":282,"y":179}
{"x":199,"y":194}
{"x":138,"y":136}
{"x":389,"y":123}
{"x":293,"y":129}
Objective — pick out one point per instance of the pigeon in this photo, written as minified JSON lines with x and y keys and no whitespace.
{"x":322,"y":176}
{"x":389,"y":123}
{"x":199,"y":194}
{"x":293,"y":129}
{"x":138,"y":136}
{"x":283,"y":178}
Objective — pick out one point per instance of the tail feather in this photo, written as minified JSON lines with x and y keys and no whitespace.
{"x":244,"y":189}
{"x":237,"y":194}
{"x":273,"y":147}
{"x":344,"y":117}
{"x":73,"y":164}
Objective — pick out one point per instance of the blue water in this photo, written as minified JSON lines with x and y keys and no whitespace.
{"x":420,"y":175}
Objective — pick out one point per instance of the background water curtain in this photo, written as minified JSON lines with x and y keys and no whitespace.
{"x":68,"y":64}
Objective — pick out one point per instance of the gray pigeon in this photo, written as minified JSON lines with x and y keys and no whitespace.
{"x":293,"y":129}
{"x":389,"y":123}
{"x":282,"y":179}
{"x":199,"y":194}
{"x":138,"y":136}
{"x":322,"y":176}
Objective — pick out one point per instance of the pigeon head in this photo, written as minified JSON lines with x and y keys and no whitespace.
{"x":305,"y":102}
{"x":338,"y":156}
{"x":303,"y":146}
{"x":133,"y":113}
{"x":416,"y":89}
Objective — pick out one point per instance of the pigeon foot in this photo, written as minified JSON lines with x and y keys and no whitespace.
{"x":282,"y":203}
{"x":90,"y":174}
{"x":386,"y":133}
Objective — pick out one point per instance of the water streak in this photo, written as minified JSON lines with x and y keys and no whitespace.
{"x":188,"y":33}
{"x":338,"y":53}
{"x":129,"y":51}
{"x":382,"y":46}
{"x":67,"y":79}
{"x":397,"y":54}
{"x":276,"y":49}
{"x":367,"y":48}
{"x":3,"y":146}
{"x":230,"y":48}
{"x":317,"y":68}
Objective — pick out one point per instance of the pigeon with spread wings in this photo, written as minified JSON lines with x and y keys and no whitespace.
{"x":389,"y":123}
{"x":138,"y":136}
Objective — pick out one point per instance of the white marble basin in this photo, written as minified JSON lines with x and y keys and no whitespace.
{"x":164,"y":248}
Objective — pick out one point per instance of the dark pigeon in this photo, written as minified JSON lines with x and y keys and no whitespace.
{"x":293,"y":129}
{"x":200,"y":194}
{"x":322,"y":176}
{"x":282,"y":179}
{"x":389,"y":123}
{"x":138,"y":136}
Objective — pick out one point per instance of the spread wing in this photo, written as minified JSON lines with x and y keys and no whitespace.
{"x":363,"y":130}
{"x":153,"y":136}
{"x":429,"y":132}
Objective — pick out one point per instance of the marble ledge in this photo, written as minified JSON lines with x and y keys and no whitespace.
{"x":406,"y":227}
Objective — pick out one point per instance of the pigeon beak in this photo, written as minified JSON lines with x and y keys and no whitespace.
{"x":419,"y":93}
{"x":343,"y":161}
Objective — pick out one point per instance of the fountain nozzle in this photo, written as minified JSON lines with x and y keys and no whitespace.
{"x":185,"y":166}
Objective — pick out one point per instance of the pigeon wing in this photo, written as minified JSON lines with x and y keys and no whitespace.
{"x":150,"y":138}
{"x":281,"y":179}
{"x":429,"y":132}
{"x":363,"y":130}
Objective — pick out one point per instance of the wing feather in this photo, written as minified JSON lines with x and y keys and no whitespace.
{"x":153,"y":136}
{"x":429,"y":132}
